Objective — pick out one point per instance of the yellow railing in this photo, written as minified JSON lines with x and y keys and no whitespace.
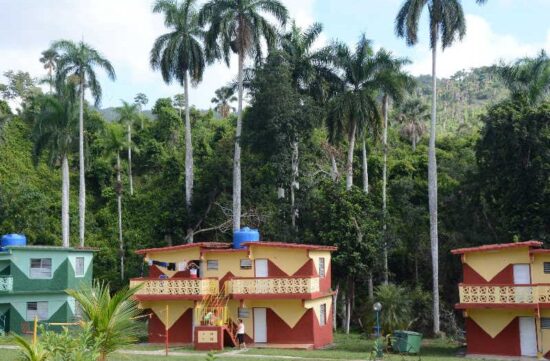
{"x":192,"y":287}
{"x":284,"y":285}
{"x":504,"y":294}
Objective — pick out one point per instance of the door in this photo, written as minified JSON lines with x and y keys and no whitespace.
{"x":527,"y":336}
{"x":260,"y":267}
{"x":260,"y":325}
{"x":522,"y":276}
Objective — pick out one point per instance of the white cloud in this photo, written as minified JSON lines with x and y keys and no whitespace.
{"x":480,"y":47}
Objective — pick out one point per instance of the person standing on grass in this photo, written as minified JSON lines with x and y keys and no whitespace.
{"x":240,"y":334}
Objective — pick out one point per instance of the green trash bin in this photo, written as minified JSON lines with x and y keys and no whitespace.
{"x":406,"y":341}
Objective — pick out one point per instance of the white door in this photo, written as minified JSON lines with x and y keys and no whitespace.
{"x":527,"y":336}
{"x":522,"y":276}
{"x":260,"y":325}
{"x":260,"y":266}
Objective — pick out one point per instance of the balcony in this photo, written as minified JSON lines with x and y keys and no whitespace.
{"x":6,"y":283}
{"x":175,"y":288}
{"x":282,"y":287}
{"x":504,"y":294}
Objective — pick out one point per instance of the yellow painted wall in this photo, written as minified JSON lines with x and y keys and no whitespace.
{"x":494,"y":321}
{"x":290,"y":311}
{"x":316,"y":305}
{"x":545,"y":333}
{"x":186,"y":254}
{"x":227,"y":262}
{"x":315,"y":255}
{"x":175,"y":309}
{"x":489,"y":263}
{"x":537,"y":268}
{"x":289,"y":260}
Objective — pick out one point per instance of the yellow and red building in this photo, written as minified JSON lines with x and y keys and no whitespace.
{"x":505,"y":299}
{"x":198,"y":291}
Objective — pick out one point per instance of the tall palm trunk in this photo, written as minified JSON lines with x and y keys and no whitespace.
{"x":294,"y":184}
{"x":237,"y":155}
{"x":333,"y":167}
{"x":365,"y":167}
{"x":414,"y":142}
{"x":65,"y":183}
{"x":188,"y":162}
{"x":119,"y":209}
{"x":351,"y":147}
{"x":432,"y":192}
{"x":384,"y":187}
{"x":82,"y":181}
{"x":130,"y":159}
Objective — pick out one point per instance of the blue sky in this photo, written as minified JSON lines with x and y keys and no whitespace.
{"x":124,"y":30}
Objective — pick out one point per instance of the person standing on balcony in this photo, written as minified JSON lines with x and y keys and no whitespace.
{"x":240,"y":334}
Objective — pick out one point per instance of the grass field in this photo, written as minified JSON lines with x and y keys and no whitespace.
{"x":346,"y":347}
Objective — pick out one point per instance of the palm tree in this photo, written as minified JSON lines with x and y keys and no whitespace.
{"x":112,"y":317}
{"x":49,"y":59}
{"x":528,"y":78}
{"x":127,"y":115}
{"x":412,"y":116}
{"x":238,"y":26}
{"x":31,"y":351}
{"x":354,"y":110}
{"x":78,"y":61}
{"x":393,"y":84}
{"x":113,"y":144}
{"x":224,"y":96}
{"x":309,"y":68}
{"x":179,"y":55}
{"x":447,"y":22}
{"x":55,"y":132}
{"x":141,"y":100}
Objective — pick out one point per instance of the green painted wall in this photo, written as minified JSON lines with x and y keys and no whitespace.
{"x":58,"y":309}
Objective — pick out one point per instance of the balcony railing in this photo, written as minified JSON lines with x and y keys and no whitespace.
{"x":176,"y":287}
{"x":6,"y":284}
{"x":504,"y":294}
{"x":263,"y":286}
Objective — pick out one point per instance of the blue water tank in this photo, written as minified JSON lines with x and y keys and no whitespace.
{"x":245,"y":235}
{"x":13,"y":239}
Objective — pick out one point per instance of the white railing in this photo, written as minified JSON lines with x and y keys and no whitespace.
{"x":6,"y":283}
{"x":191,"y":287}
{"x":285,"y":285}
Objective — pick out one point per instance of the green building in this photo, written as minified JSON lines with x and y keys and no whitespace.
{"x":33,"y":280}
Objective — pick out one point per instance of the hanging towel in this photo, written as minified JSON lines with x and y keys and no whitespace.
{"x":171,"y":266}
{"x":182,"y":266}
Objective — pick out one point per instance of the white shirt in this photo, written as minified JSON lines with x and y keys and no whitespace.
{"x":240,"y":329}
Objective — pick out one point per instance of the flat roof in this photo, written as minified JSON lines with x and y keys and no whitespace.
{"x":493,"y":247}
{"x":50,"y":248}
{"x":227,"y":247}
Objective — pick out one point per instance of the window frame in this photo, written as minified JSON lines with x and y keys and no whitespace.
{"x":210,"y":265}
{"x":37,"y":311}
{"x":245,"y":267}
{"x":544,"y":267}
{"x":322,"y":270}
{"x":76,"y":274}
{"x":243,"y":312}
{"x":544,"y":320}
{"x":40,"y":270}
{"x":322,"y":314}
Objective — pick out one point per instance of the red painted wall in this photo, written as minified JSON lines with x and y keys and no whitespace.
{"x":279,"y":332}
{"x":325,"y":283}
{"x":274,"y":271}
{"x":323,"y":334}
{"x":307,"y":270}
{"x":180,"y":332}
{"x":506,"y":343}
{"x":506,"y":276}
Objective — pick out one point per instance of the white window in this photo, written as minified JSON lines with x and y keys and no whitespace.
{"x":79,"y":267}
{"x":323,"y":314}
{"x":246,"y":263}
{"x":322,"y":267}
{"x":244,"y":312}
{"x":212,"y":264}
{"x":41,"y":268}
{"x":37,"y":309}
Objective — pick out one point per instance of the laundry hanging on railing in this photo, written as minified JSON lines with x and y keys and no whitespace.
{"x":171,"y":266}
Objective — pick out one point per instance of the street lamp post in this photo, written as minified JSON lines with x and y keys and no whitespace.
{"x":377,"y":307}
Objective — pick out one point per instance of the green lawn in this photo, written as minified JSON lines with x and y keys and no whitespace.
{"x":346,"y":347}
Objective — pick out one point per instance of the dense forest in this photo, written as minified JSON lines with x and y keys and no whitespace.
{"x":493,"y":152}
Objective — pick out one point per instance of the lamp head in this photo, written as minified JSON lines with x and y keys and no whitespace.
{"x":377,"y":307}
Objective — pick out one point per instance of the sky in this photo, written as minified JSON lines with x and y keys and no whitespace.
{"x":124,"y":31}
